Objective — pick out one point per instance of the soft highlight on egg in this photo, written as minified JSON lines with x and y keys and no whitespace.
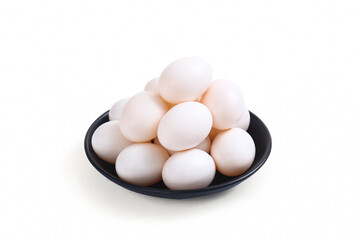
{"x":153,"y":86}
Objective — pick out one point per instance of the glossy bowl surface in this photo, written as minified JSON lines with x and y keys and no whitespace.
{"x":257,"y":130}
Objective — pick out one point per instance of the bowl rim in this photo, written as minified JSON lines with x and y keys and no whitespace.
{"x":156,"y":191}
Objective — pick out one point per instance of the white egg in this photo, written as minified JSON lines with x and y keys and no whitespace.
{"x":233,"y":151}
{"x":213,"y":133}
{"x":190,"y":169}
{"x":108,"y":141}
{"x":244,"y":121}
{"x":157,"y":142}
{"x":204,"y":145}
{"x":186,"y":79}
{"x":184,"y":126}
{"x":116,"y":109}
{"x":226,"y":103}
{"x":153,"y":86}
{"x":141,"y":163}
{"x":141,"y":116}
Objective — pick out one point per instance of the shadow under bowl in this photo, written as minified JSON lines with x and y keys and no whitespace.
{"x":257,"y":130}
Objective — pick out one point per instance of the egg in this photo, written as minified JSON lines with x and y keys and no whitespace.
{"x":186,"y":79}
{"x":214,"y":132}
{"x":204,"y":145}
{"x":233,"y":151}
{"x":190,"y":169}
{"x":184,"y":126}
{"x":153,"y":86}
{"x":108,"y":141}
{"x":141,"y":163}
{"x":226,"y":103}
{"x":141,"y":116}
{"x":244,"y":121}
{"x":116,"y":109}
{"x":157,"y":142}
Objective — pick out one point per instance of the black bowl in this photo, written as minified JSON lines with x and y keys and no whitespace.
{"x":257,"y":130}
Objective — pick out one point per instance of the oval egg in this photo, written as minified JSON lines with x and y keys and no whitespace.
{"x":141,"y":163}
{"x":116,"y":109}
{"x":108,"y":141}
{"x":153,"y":86}
{"x":141,"y":116}
{"x":226,"y":103}
{"x":189,"y":169}
{"x":244,"y":121}
{"x":233,"y":151}
{"x":184,"y":126}
{"x":186,"y":79}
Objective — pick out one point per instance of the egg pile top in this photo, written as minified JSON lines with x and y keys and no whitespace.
{"x":181,"y":129}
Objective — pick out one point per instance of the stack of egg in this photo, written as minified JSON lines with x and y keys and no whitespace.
{"x":181,"y":129}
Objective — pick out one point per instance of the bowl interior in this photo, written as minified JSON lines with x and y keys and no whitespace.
{"x":257,"y":130}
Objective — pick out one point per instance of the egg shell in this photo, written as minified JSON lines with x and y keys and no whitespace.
{"x":141,"y":163}
{"x":186,"y":79}
{"x":226,"y":103}
{"x":153,"y":86}
{"x":157,"y":142}
{"x":244,"y":121}
{"x":184,"y":126}
{"x":189,"y":169}
{"x":233,"y":151}
{"x":204,"y":145}
{"x":141,"y":116}
{"x":213,"y":133}
{"x":108,"y":141}
{"x":116,"y":109}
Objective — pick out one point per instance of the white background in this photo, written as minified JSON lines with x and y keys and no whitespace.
{"x":63,"y":63}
